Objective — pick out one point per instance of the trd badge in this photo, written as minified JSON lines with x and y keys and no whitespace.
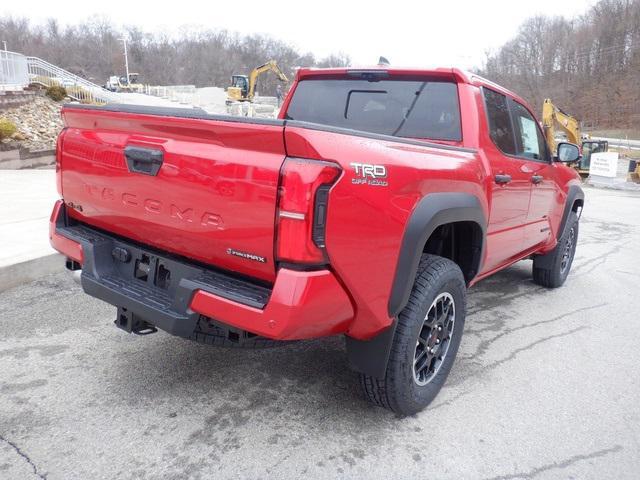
{"x":369,"y":174}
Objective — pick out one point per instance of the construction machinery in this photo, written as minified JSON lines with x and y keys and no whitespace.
{"x":243,"y":87}
{"x":589,"y":147}
{"x":553,"y":119}
{"x":124,"y":83}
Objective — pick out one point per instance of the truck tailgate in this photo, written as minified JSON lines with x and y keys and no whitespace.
{"x":185,"y":182}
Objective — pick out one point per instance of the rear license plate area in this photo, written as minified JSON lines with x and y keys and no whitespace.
{"x":145,"y":267}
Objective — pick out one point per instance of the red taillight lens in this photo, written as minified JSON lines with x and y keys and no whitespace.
{"x":302,"y":209}
{"x":58,"y":161}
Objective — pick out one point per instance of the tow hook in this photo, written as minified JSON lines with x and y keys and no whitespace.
{"x":129,"y":322}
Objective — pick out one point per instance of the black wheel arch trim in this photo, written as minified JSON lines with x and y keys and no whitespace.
{"x":432,"y":211}
{"x":371,"y":356}
{"x":575,"y":193}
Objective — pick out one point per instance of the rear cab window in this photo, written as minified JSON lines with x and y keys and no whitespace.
{"x":500,"y":126}
{"x":409,"y":108}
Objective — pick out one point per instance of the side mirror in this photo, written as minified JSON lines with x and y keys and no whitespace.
{"x":567,"y":153}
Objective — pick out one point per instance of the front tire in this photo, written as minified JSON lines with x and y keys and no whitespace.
{"x":425,"y":342}
{"x":551,"y":270}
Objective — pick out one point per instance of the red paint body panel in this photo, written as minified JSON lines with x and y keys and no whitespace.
{"x":218,"y":189}
{"x":365,"y":224}
{"x":302,"y":305}
{"x":68,"y":248}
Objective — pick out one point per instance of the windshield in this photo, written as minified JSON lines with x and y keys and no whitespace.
{"x":402,"y":108}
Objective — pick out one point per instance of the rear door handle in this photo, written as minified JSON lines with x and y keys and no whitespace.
{"x":146,"y":161}
{"x":501,"y":179}
{"x":537,"y":179}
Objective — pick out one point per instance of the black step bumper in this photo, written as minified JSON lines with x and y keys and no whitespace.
{"x":149,"y":286}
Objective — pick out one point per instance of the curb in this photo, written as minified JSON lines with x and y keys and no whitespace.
{"x":18,"y":159}
{"x":30,"y":270}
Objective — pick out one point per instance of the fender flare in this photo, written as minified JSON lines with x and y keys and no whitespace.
{"x":431,"y":212}
{"x":371,"y":356}
{"x":575,"y":193}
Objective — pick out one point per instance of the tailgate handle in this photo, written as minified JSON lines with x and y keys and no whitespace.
{"x":146,"y":161}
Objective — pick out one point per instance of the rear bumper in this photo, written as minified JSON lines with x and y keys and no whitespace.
{"x":299,"y":305}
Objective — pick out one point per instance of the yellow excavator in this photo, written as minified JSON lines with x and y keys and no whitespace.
{"x":243,"y":87}
{"x":554,"y":118}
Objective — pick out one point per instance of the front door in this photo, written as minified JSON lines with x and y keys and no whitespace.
{"x":532,"y":149}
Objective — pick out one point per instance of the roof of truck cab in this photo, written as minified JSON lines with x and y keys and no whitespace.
{"x":456,"y":74}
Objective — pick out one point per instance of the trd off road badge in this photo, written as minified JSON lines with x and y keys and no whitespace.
{"x":368,"y":174}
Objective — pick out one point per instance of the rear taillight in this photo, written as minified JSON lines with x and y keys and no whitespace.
{"x":59,"y":162}
{"x":302,"y":209}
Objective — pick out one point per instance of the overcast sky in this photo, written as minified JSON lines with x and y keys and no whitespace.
{"x":408,"y":33}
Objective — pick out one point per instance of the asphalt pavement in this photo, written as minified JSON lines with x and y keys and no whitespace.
{"x":546,"y":386}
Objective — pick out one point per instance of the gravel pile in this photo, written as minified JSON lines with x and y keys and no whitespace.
{"x":38,"y":123}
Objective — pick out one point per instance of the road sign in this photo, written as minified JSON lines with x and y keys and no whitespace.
{"x":604,"y":164}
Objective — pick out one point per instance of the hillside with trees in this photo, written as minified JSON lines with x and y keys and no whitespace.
{"x":93,"y":50}
{"x":589,"y":65}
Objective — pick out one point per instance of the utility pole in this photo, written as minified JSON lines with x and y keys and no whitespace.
{"x":126,"y":59}
{"x":4,"y":44}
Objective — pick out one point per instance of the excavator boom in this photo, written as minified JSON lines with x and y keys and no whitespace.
{"x":244,"y":88}
{"x":271,"y":65}
{"x":552,"y":118}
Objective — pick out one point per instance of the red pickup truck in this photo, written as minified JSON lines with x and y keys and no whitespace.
{"x":365,"y":210}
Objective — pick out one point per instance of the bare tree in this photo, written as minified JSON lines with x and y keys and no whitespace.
{"x":589,"y":65}
{"x":202,"y":57}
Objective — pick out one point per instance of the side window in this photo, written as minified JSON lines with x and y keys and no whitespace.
{"x":530,"y":143}
{"x":500,"y":128}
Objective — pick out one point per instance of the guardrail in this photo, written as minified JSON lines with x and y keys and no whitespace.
{"x":13,"y":71}
{"x":84,"y":91}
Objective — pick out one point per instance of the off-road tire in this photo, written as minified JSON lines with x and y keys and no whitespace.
{"x":400,"y":391}
{"x":551,"y":270}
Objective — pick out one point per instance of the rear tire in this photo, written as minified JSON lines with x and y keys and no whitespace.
{"x":425,"y":342}
{"x":551,"y":270}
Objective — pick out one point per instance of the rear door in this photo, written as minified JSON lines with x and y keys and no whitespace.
{"x":212,"y":197}
{"x":511,"y":186}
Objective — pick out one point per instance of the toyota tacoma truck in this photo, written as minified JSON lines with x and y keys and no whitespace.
{"x":366,"y":210}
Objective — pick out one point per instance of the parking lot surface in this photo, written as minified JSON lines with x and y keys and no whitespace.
{"x":546,"y":385}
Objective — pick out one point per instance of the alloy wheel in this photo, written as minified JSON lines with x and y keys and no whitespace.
{"x":434,"y":339}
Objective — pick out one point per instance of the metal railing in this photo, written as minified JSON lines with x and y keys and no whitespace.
{"x":13,"y":71}
{"x":17,"y":71}
{"x":48,"y":75}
